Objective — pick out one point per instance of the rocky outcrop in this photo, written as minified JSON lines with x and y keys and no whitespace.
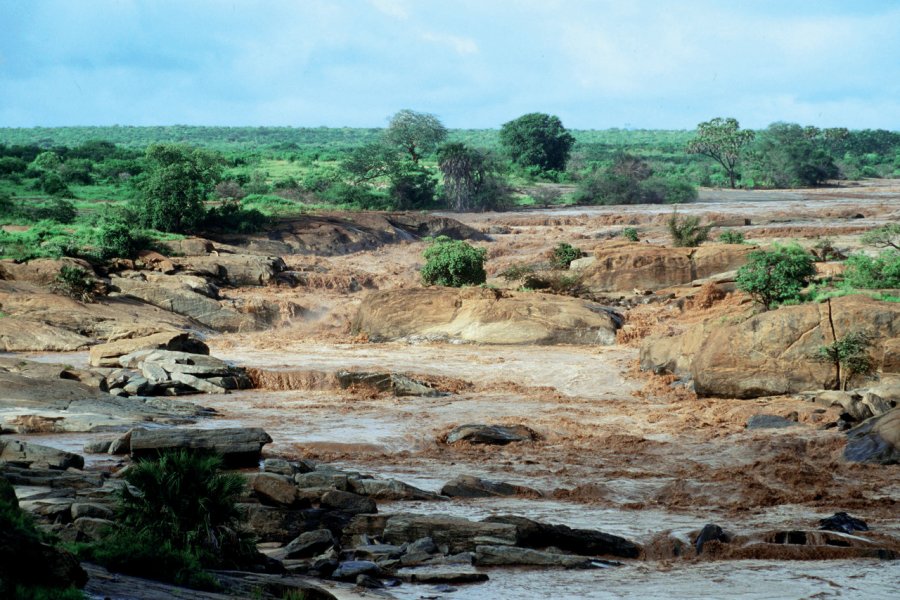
{"x":234,"y":269}
{"x":238,"y":446}
{"x":774,"y":352}
{"x":168,"y":372}
{"x":38,"y":456}
{"x":497,"y":435}
{"x":458,"y":534}
{"x":338,"y":234}
{"x":484,"y":316}
{"x":584,"y":542}
{"x":41,"y":271}
{"x":39,"y":397}
{"x":107,"y":355}
{"x":467,"y":486}
{"x":877,"y":440}
{"x":624,"y":267}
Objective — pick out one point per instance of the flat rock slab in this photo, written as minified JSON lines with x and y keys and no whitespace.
{"x":467,"y":486}
{"x":236,"y":445}
{"x":769,"y":422}
{"x":458,"y":534}
{"x":106,"y":355}
{"x":509,"y":556}
{"x":27,"y":453}
{"x":456,"y":575}
{"x":491,"y":434}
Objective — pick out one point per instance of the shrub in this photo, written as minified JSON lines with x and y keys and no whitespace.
{"x":824,"y":249}
{"x":630,"y":234}
{"x":232,"y":216}
{"x":117,"y":239}
{"x":57,"y":209}
{"x":887,"y":236}
{"x":850,"y":354}
{"x":772,"y":277}
{"x":412,"y":187}
{"x":730,"y":236}
{"x":687,"y":232}
{"x":76,"y":283}
{"x":564,"y":254}
{"x":453,"y":263}
{"x":880,"y":272}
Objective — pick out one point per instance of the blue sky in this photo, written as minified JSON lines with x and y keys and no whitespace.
{"x":474,"y":63}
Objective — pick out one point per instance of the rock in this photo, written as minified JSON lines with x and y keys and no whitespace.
{"x":491,"y":434}
{"x":770,"y":353}
{"x":351,"y":569}
{"x":769,"y":422}
{"x":508,"y":556}
{"x":189,"y":246}
{"x":466,"y":486}
{"x":458,"y":534}
{"x":710,"y":532}
{"x":156,"y":261}
{"x":107,"y":355}
{"x":307,"y":545}
{"x":484,"y":316}
{"x":586,"y":542}
{"x":35,"y":455}
{"x":843,"y":522}
{"x":441,"y":574}
{"x":368,"y":582}
{"x":201,"y":385}
{"x":43,"y":271}
{"x":322,"y":479}
{"x":399,"y":385}
{"x":275,"y":490}
{"x":97,"y":447}
{"x":238,"y":446}
{"x":389,"y":489}
{"x":154,"y":373}
{"x":90,"y":509}
{"x":137,"y":386}
{"x":876,"y":405}
{"x":279,"y":466}
{"x":877,"y":440}
{"x":22,"y":335}
{"x":235,"y":269}
{"x":625,"y":266}
{"x":171,"y":293}
{"x":580,"y":264}
{"x":348,"y":502}
{"x":121,"y":445}
{"x":271,"y":524}
{"x":92,"y":528}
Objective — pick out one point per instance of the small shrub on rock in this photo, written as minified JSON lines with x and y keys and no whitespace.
{"x":630,"y":234}
{"x":76,"y":283}
{"x":687,"y":232}
{"x":880,"y":272}
{"x":775,"y":276}
{"x":564,"y":254}
{"x":850,"y":354}
{"x":453,"y":263}
{"x":729,"y":236}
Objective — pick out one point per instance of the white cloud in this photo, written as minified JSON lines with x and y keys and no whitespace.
{"x":460,"y":45}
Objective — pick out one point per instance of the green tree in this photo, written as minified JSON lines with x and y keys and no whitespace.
{"x":368,"y":162}
{"x":537,"y":140}
{"x":771,"y":277}
{"x":887,"y":236}
{"x":453,"y":263}
{"x":787,"y":155}
{"x":412,"y":186}
{"x":463,"y":170}
{"x":415,"y":133}
{"x":723,"y":141}
{"x":175,"y":185}
{"x":850,"y":355}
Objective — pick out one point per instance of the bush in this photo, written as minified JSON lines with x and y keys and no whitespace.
{"x":413,"y":187}
{"x":850,"y":354}
{"x":76,"y":283}
{"x":880,"y":272}
{"x":232,"y":216}
{"x":564,"y":254}
{"x":731,"y":237}
{"x":687,"y":232}
{"x":57,"y":209}
{"x":772,"y":277}
{"x":630,"y":234}
{"x":117,"y":239}
{"x":453,"y":263}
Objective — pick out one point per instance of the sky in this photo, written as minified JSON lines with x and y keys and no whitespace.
{"x":596,"y":64}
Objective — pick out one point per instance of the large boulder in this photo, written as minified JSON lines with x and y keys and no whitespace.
{"x":107,"y":355}
{"x":624,"y":267}
{"x":234,"y":269}
{"x":237,"y":445}
{"x":458,"y":534}
{"x":41,"y":271}
{"x":586,"y":542}
{"x":24,"y":335}
{"x":877,"y":440}
{"x":773,"y":352}
{"x":484,"y":316}
{"x":29,"y":454}
{"x":181,"y":294}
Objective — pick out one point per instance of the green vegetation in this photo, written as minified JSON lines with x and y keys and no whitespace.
{"x":884,"y":237}
{"x":630,"y":234}
{"x":178,"y":515}
{"x":773,"y":277}
{"x":564,"y":254}
{"x":76,"y":283}
{"x":850,"y":354}
{"x":723,"y":141}
{"x":686,"y":232}
{"x":538,"y":141}
{"x":472,"y":179}
{"x":630,"y":180}
{"x":730,"y":236}
{"x":879,"y":272}
{"x":453,"y":263}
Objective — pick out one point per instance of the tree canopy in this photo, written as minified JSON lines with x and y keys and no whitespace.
{"x":723,"y":141}
{"x":537,"y":140}
{"x":415,"y":133}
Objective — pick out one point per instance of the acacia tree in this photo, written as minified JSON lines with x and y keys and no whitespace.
{"x":463,"y":170}
{"x":415,"y":133}
{"x":537,"y":140}
{"x":722,"y":140}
